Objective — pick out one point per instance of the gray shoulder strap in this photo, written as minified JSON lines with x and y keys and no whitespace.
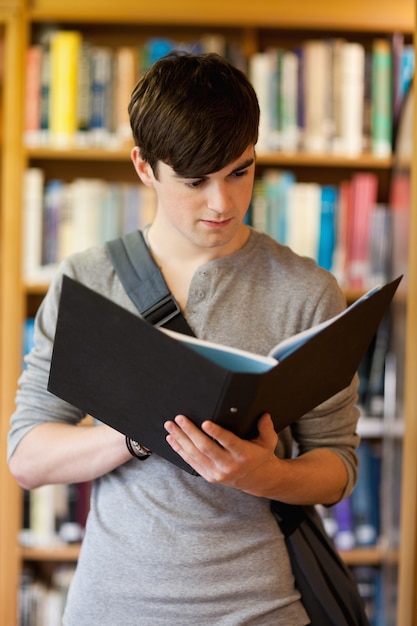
{"x":144,"y":283}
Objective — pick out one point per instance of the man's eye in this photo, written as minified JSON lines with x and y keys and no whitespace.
{"x":194,"y":183}
{"x":240,"y":173}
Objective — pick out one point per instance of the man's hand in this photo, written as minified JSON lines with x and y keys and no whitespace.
{"x":221,"y":457}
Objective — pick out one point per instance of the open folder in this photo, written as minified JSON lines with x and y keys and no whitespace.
{"x":132,"y":376}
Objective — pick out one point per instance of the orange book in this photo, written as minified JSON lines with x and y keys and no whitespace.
{"x":33,"y":85}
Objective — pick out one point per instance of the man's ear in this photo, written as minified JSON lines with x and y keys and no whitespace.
{"x":143,"y":169}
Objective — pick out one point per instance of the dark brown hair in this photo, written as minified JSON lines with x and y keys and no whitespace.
{"x":194,"y":112}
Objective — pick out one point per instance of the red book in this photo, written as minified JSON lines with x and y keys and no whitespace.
{"x":364,"y":200}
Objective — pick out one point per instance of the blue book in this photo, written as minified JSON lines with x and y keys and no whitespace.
{"x":28,"y":335}
{"x":277,"y":184}
{"x":365,"y":500}
{"x":327,"y":237}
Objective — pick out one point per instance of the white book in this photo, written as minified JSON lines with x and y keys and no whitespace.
{"x":290,"y":134}
{"x":352,"y":82}
{"x":87,"y":197}
{"x":318,"y":124}
{"x":303,"y":218}
{"x":260,"y":73}
{"x":33,"y":187}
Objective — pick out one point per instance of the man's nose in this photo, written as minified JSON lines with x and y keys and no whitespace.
{"x":220,"y":199}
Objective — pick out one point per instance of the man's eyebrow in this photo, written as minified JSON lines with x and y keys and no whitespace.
{"x":239,"y":168}
{"x":243,"y":165}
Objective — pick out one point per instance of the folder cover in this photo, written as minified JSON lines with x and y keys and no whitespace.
{"x":132,"y":376}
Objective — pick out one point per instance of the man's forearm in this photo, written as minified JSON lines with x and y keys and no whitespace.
{"x":61,"y":453}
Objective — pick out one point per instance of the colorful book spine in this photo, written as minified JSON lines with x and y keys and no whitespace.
{"x":126,"y":75}
{"x":65,"y":55}
{"x":33,"y":85}
{"x":101,"y":122}
{"x":364,"y":201}
{"x":327,"y":234}
{"x":364,"y":498}
{"x":382,"y":98}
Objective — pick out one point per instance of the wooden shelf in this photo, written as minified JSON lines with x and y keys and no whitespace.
{"x":369,"y":556}
{"x":296,"y":159}
{"x":55,"y":553}
{"x":70,"y":553}
{"x":356,"y":15}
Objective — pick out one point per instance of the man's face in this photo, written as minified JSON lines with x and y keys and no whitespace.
{"x":207,"y":210}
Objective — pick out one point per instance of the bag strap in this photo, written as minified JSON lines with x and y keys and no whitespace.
{"x":144,"y":283}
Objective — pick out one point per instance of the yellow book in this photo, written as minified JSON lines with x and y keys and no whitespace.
{"x":65,"y":58}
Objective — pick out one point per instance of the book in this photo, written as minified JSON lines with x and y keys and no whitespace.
{"x":327,"y":235}
{"x":32,"y":223}
{"x":288,"y":101}
{"x":126,"y":60}
{"x":65,"y":55}
{"x":33,"y":82}
{"x":303,"y":218}
{"x":382,"y":116}
{"x":365,"y":497}
{"x":156,"y":375}
{"x":317,"y":96}
{"x":344,"y":536}
{"x":364,"y":201}
{"x":102,"y":84}
{"x":352,"y":80}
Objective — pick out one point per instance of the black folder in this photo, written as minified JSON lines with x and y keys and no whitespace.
{"x":132,"y":376}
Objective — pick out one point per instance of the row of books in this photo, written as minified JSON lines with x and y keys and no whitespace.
{"x":355,"y":521}
{"x":343,"y":227}
{"x":331,"y":95}
{"x":60,"y":218}
{"x":323,"y":95}
{"x":78,"y":93}
{"x":41,"y":603}
{"x":54,"y":514}
{"x":371,"y":587}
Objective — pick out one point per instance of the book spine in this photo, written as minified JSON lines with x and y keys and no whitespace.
{"x":303,"y":218}
{"x":126,"y":75}
{"x":101,"y":123}
{"x":53,"y":207}
{"x":317,"y":94}
{"x":364,"y":200}
{"x":46,"y":94}
{"x":65,"y":54}
{"x":344,"y":537}
{"x":352,"y":80}
{"x":33,"y":187}
{"x":327,"y":234}
{"x":84,"y":93}
{"x":259,"y":70}
{"x":382,"y":116}
{"x":33,"y":83}
{"x":364,"y":498}
{"x":288,"y":103}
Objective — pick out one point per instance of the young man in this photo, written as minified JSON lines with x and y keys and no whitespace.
{"x":163,"y":547}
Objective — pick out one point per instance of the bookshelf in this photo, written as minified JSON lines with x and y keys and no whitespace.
{"x":254,"y":27}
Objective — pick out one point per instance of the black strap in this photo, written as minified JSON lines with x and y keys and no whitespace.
{"x":144,"y":283}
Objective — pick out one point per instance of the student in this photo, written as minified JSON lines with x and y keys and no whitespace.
{"x":163,"y":547}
